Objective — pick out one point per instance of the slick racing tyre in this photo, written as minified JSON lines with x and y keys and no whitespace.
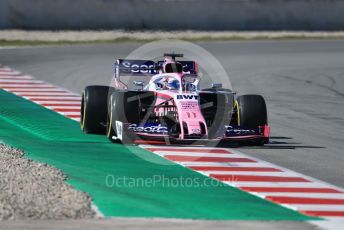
{"x":252,"y":113}
{"x":94,"y":109}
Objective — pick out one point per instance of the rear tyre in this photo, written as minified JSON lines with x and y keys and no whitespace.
{"x":252,"y":113}
{"x":94,"y":109}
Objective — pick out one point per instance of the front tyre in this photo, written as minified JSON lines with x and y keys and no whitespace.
{"x":252,"y":113}
{"x":94,"y":109}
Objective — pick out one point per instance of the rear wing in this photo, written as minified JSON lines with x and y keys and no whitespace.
{"x":146,"y":67}
{"x":191,"y":66}
{"x":139,"y":70}
{"x":134,"y":67}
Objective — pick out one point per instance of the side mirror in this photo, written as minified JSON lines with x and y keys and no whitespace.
{"x":216,"y":85}
{"x":139,"y":83}
{"x":186,"y":68}
{"x":157,"y":67}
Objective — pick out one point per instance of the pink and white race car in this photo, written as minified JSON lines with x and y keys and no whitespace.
{"x":163,"y":102}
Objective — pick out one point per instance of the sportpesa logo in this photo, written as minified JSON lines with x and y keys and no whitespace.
{"x":139,"y":67}
{"x":148,"y":128}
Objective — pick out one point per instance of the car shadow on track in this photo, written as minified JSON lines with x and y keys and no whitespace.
{"x":276,"y":142}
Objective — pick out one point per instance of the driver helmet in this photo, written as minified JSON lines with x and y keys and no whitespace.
{"x":172,"y":84}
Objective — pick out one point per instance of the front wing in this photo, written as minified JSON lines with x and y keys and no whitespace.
{"x":234,"y":133}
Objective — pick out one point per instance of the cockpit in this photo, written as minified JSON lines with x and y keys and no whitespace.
{"x":186,"y":82}
{"x":167,"y":82}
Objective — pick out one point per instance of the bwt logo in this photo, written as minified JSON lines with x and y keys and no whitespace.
{"x":187,"y":97}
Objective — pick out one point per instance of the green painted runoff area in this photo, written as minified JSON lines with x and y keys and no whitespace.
{"x":125,"y":181}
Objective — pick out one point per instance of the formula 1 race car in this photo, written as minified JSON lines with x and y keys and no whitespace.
{"x":170,"y":106}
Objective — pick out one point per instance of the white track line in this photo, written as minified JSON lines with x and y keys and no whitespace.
{"x":225,"y":164}
{"x":64,"y":107}
{"x":18,"y":78}
{"x":9,"y":73}
{"x":27,"y":82}
{"x":253,"y":173}
{"x":233,"y":164}
{"x":324,"y":207}
{"x":307,"y":195}
{"x":278,"y":184}
{"x":14,"y":78}
{"x":69,"y":113}
{"x":5,"y":69}
{"x":45,"y":94}
{"x":59,"y":102}
{"x":220,"y":155}
{"x":18,"y":86}
{"x":37,"y":90}
{"x":41,"y":98}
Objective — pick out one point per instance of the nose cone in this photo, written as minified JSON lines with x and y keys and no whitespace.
{"x":190,"y":116}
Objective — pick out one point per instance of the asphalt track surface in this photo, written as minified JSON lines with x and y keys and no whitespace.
{"x":302,"y":81}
